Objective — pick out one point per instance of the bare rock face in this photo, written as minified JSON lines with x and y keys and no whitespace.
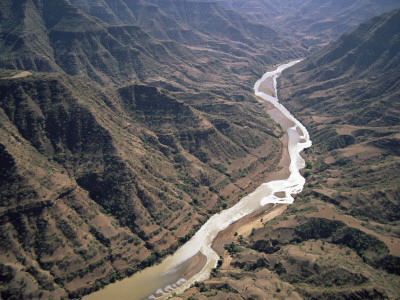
{"x":119,"y":50}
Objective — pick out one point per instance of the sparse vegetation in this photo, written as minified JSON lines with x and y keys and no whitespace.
{"x":232,"y":248}
{"x":123,"y":139}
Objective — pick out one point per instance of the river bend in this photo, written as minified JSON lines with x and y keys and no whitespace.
{"x":158,"y":282}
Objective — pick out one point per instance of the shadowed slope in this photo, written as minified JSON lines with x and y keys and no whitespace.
{"x":85,"y":170}
{"x":49,"y":35}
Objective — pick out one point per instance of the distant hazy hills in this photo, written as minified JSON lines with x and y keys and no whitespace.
{"x":356,"y":78}
{"x":315,"y":22}
{"x":134,"y":40}
{"x":174,"y":19}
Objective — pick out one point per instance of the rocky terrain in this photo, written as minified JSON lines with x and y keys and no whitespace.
{"x":350,"y":102}
{"x":176,"y":53}
{"x":341,"y":237}
{"x":118,"y":143}
{"x":126,"y":124}
{"x":101,"y":183}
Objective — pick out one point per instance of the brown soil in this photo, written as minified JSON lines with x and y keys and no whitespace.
{"x":259,"y":221}
{"x":282,"y":171}
{"x":227,"y":235}
{"x":327,"y":212}
{"x":278,"y":116}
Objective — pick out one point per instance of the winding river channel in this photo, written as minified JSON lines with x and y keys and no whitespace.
{"x":160,"y":281}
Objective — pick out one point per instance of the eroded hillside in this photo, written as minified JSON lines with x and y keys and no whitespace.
{"x":340,"y":239}
{"x":97,"y":184}
{"x":137,"y":121}
{"x":178,"y":52}
{"x":134,"y":124}
{"x":350,"y":102}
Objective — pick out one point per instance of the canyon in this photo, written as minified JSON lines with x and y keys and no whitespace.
{"x":127,"y":125}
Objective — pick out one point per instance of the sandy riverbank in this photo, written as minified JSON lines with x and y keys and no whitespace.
{"x":245,"y":225}
{"x":285,"y":180}
{"x":193,"y":265}
{"x":256,"y":219}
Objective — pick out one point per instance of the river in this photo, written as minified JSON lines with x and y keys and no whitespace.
{"x":162,"y":280}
